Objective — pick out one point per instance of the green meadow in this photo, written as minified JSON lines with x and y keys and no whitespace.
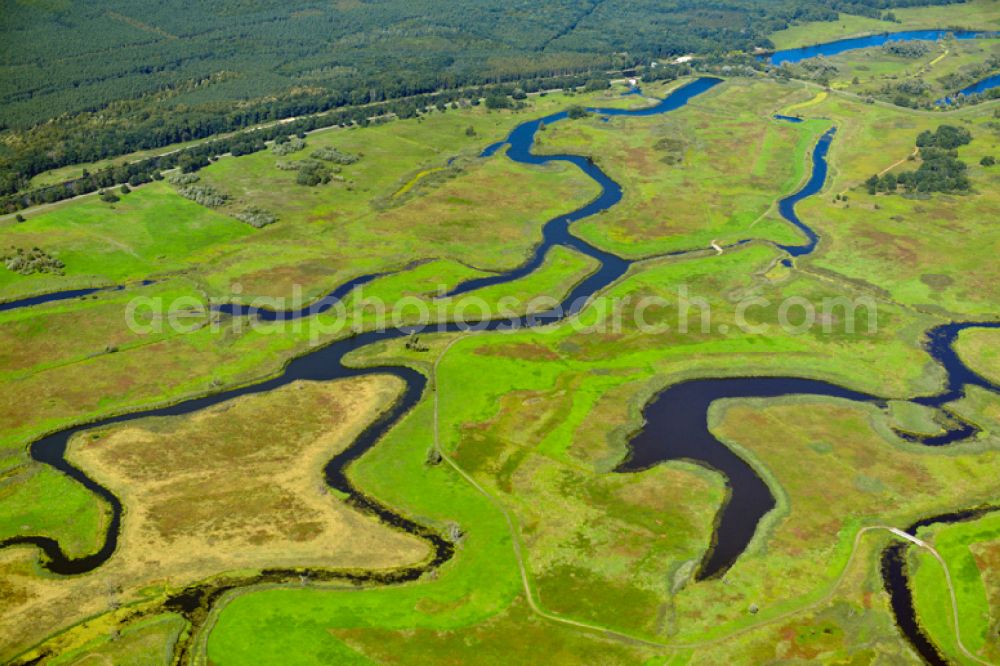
{"x":875,"y":73}
{"x":927,"y":251}
{"x":557,"y":554}
{"x":970,"y":550}
{"x":585,"y":532}
{"x":686,"y":177}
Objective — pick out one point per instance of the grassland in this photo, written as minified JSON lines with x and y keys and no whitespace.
{"x":978,"y":348}
{"x":145,"y":643}
{"x":578,"y":420}
{"x":875,"y":73}
{"x":973,"y":15}
{"x":329,"y":230}
{"x":235,"y":487}
{"x":557,"y":551}
{"x":325,"y":234}
{"x":76,"y":360}
{"x":577,"y":523}
{"x":928,"y":251}
{"x":150,"y":232}
{"x":685,"y":176}
{"x":972,"y":553}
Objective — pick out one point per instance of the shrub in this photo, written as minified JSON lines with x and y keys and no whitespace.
{"x":575,"y":112}
{"x":190,"y":163}
{"x":335,"y":156}
{"x":988,"y":161}
{"x":288,"y":146}
{"x":312,"y":177}
{"x":946,"y":136}
{"x":256,"y":217}
{"x":205,"y":195}
{"x":28,"y":262}
{"x":907,"y":49}
{"x":312,"y":173}
{"x":183,"y":178}
{"x":497,"y":101}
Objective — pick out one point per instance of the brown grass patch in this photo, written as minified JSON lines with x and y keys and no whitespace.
{"x":236,"y":486}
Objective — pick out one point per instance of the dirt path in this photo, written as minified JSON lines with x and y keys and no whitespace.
{"x":916,"y":151}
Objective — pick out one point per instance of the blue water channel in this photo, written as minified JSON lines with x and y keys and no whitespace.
{"x":839,"y":46}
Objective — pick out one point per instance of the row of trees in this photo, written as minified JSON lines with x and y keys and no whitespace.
{"x":190,"y":160}
{"x":54,"y":146}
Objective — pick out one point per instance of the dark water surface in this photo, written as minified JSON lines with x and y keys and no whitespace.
{"x":839,"y":46}
{"x":64,"y":295}
{"x":676,"y":428}
{"x":979,"y":87}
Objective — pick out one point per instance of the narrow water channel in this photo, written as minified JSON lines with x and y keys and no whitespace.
{"x":676,"y":420}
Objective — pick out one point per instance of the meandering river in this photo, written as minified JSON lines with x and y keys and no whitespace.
{"x":326,"y":363}
{"x":676,"y":420}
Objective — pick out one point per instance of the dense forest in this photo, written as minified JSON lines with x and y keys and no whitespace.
{"x":84,"y":81}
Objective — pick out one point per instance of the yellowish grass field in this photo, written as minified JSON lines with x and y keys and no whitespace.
{"x":235,"y":487}
{"x":980,"y":348}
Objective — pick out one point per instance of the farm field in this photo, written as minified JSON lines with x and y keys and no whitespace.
{"x":506,"y":386}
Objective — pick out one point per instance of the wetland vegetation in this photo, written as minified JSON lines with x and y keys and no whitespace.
{"x":184,"y":480}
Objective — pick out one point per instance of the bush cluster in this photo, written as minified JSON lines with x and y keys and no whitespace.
{"x":335,"y":156}
{"x":183,"y":178}
{"x":312,"y":173}
{"x":256,"y":217}
{"x":206,"y":195}
{"x":946,"y":136}
{"x":286,"y":146}
{"x":907,"y":49}
{"x":28,"y":262}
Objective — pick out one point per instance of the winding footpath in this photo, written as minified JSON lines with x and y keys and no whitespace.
{"x":676,"y":419}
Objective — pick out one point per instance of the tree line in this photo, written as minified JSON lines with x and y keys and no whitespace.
{"x":191,"y":159}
